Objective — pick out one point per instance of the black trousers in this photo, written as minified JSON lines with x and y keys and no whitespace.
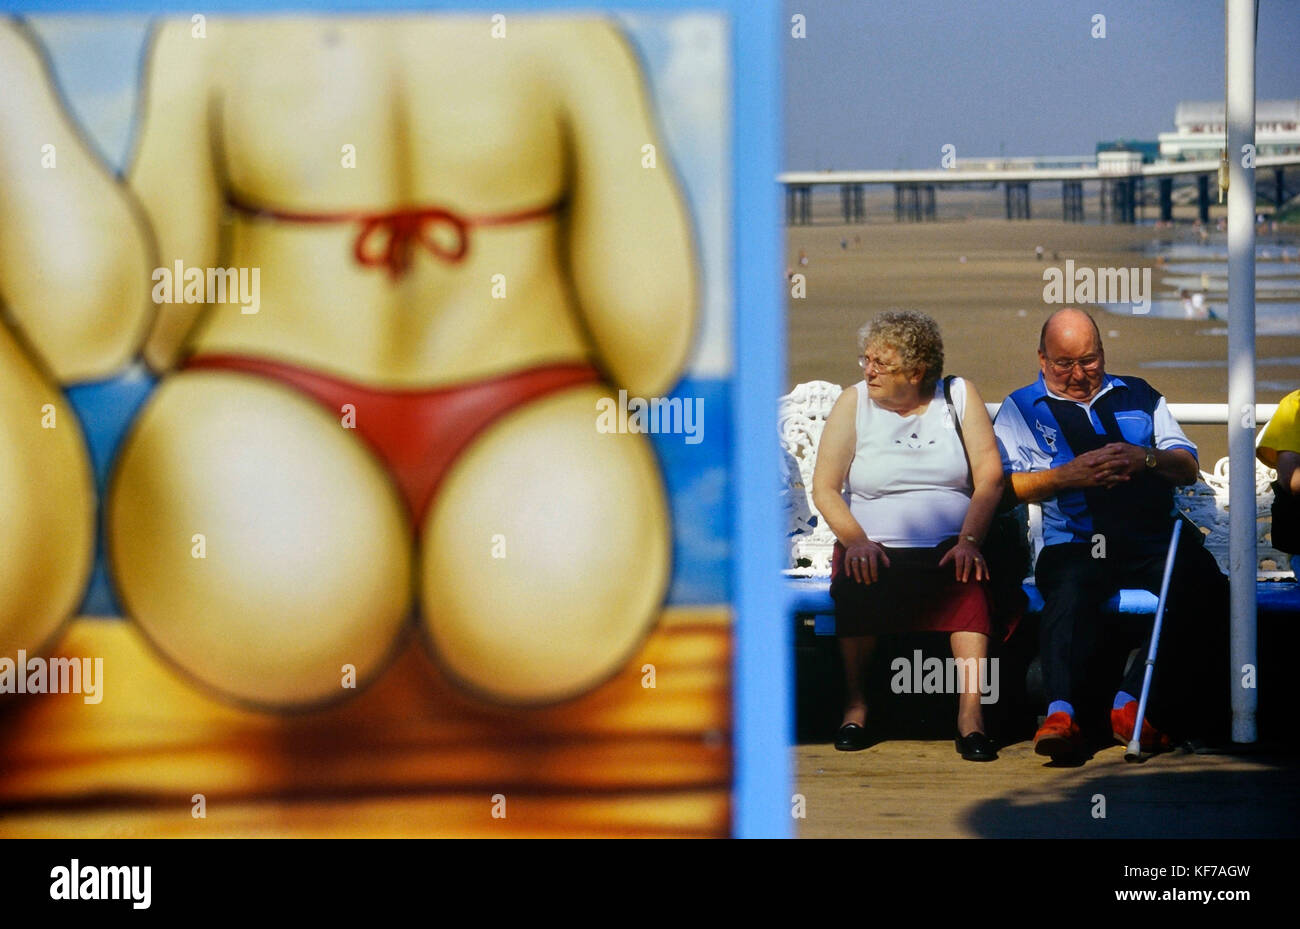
{"x":1191,"y":685}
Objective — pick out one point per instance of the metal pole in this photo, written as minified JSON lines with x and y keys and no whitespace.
{"x":1241,"y":17}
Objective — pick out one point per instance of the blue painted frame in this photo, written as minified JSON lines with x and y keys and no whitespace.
{"x":763,"y":666}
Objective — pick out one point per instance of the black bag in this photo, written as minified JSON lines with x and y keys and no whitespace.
{"x":1286,"y":521}
{"x":1007,"y":542}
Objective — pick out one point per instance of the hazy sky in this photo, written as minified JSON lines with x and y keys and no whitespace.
{"x":886,"y":83}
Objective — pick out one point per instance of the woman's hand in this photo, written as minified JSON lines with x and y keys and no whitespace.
{"x":968,"y":560}
{"x":863,"y":561}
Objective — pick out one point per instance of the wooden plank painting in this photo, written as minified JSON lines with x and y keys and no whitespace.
{"x":367,"y":425}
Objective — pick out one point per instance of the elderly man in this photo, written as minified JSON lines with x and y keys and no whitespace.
{"x":1102,"y":455}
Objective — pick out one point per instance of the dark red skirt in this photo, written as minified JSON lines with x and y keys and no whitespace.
{"x":914,"y":594}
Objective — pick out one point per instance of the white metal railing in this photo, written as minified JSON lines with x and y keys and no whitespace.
{"x":1216,"y":414}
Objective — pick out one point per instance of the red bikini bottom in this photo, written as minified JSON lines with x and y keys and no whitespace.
{"x":418,"y":433}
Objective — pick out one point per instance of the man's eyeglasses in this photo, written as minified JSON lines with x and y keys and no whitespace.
{"x":882,"y":367}
{"x":1089,"y":363}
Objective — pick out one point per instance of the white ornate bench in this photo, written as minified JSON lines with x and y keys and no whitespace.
{"x":803,"y":414}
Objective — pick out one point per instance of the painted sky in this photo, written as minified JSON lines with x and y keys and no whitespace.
{"x":886,"y":83}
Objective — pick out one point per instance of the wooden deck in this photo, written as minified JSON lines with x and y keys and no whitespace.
{"x":911,"y":789}
{"x":410,"y":756}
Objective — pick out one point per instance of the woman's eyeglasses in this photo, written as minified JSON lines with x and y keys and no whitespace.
{"x":882,"y":367}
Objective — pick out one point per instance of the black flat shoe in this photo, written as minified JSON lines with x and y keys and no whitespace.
{"x":853,"y":738}
{"x":976,"y":747}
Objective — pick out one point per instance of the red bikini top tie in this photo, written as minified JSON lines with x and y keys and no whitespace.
{"x":403,"y":228}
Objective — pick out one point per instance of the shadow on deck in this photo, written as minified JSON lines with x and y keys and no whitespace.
{"x":913,"y":789}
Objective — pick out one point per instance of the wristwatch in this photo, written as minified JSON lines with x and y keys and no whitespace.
{"x":1151,"y":457}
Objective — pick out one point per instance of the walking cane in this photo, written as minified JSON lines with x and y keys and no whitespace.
{"x":1134,"y":750}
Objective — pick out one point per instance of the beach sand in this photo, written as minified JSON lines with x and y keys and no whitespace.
{"x":991,"y":306}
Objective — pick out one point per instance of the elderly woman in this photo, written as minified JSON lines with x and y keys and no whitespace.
{"x":910,"y":507}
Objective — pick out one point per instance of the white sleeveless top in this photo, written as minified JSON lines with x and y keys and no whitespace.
{"x":908,"y":485}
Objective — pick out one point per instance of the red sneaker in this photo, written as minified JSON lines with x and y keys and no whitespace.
{"x":1059,"y":735}
{"x":1121,"y":727}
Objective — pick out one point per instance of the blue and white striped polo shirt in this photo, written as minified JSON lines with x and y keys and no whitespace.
{"x":1038,"y":430}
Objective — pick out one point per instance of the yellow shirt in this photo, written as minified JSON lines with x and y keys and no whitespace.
{"x":1282,"y":434}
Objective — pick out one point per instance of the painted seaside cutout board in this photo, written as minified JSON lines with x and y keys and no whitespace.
{"x":373,"y":428}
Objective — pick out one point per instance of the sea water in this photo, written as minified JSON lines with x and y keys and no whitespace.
{"x":1204,"y":267}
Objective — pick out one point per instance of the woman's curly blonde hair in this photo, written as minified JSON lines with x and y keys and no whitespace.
{"x":914,"y":336}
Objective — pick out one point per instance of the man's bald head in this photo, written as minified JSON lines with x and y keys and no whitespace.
{"x":1070,"y":354}
{"x":1065,"y":324}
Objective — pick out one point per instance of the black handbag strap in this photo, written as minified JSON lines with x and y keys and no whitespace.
{"x":956,"y":421}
